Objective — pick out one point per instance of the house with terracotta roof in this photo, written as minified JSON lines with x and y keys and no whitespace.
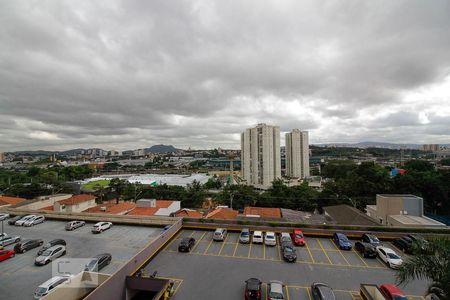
{"x":110,"y":207}
{"x":9,"y":201}
{"x":153,"y":207}
{"x":76,"y":203}
{"x":222,"y":213}
{"x":188,"y":213}
{"x":268,"y":213}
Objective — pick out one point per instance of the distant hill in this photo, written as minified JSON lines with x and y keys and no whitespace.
{"x":160,"y":149}
{"x":71,"y":152}
{"x":374,"y":145}
{"x":35,"y":153}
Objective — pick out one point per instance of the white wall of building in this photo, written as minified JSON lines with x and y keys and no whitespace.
{"x":297,"y":154}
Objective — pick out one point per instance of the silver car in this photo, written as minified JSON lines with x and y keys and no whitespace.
{"x":23,"y":220}
{"x":50,"y":254}
{"x":8,"y":240}
{"x":34,"y":221}
{"x":275,"y":290}
{"x":244,"y":236}
{"x":74,"y":225}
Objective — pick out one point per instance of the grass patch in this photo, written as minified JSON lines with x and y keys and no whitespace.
{"x":93,"y":185}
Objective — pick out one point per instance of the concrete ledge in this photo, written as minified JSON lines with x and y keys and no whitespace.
{"x":94,"y":217}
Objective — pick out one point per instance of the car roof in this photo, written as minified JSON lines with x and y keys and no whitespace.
{"x":276,"y":286}
{"x":253,"y":283}
{"x":54,"y":247}
{"x":98,"y":256}
{"x":298,"y":230}
{"x":270,"y":233}
{"x":387,"y":250}
{"x":52,"y":281}
{"x":392,"y":289}
{"x":245,"y":229}
{"x":325,"y":291}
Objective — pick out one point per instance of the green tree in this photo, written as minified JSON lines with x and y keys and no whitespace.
{"x":432,"y":262}
{"x":118,"y":186}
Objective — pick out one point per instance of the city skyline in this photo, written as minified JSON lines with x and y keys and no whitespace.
{"x":124,"y":75}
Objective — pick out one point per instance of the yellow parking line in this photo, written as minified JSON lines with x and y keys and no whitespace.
{"x":320,"y":244}
{"x":279,"y":252}
{"x":340,"y":252}
{"x":192,"y":233}
{"x":359,"y":256}
{"x":287,"y":293}
{"x":235,"y":248}
{"x":264,"y":251}
{"x":249,"y":250}
{"x":208,"y":247}
{"x":309,"y":293}
{"x":173,"y":240}
{"x":196,"y":244}
{"x":353,"y":296}
{"x":310,"y":254}
{"x":221,"y":248}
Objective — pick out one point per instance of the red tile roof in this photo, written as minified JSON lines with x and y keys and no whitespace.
{"x":263,"y":212}
{"x":50,"y":208}
{"x":143,"y":211}
{"x":163,"y":203}
{"x":77,"y":199}
{"x":222,"y":214}
{"x":5,"y":200}
{"x":189,"y":213}
{"x":112,"y":207}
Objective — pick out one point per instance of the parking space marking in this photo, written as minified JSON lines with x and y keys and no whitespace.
{"x":235,"y":248}
{"x":310,"y":254}
{"x":340,"y":252}
{"x":177,"y":283}
{"x":173,"y":240}
{"x":209,"y":245}
{"x":287,"y":293}
{"x":359,"y":256}
{"x":223,"y":244}
{"x":320,"y":244}
{"x":250,"y":250}
{"x":198,"y":242}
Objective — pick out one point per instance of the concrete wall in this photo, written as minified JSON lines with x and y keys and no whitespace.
{"x":397,"y":204}
{"x":45,"y":201}
{"x":79,"y":207}
{"x":115,"y":286}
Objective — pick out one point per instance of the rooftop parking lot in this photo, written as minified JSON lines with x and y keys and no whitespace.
{"x":19,"y":277}
{"x":217,"y":270}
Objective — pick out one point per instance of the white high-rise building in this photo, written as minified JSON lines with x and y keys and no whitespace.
{"x":260,"y":155}
{"x":297,"y":154}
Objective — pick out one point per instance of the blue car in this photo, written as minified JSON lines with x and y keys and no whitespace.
{"x":342,"y":241}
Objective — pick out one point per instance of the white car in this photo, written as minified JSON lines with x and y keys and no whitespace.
{"x":34,"y":221}
{"x":4,"y":216}
{"x":257,"y":237}
{"x":270,"y":239}
{"x":24,"y":219}
{"x":389,"y":257}
{"x":101,"y":226}
{"x":49,"y":285}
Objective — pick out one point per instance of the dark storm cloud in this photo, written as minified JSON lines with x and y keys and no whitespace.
{"x":126,"y":74}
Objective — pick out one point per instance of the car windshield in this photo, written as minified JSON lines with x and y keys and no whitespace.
{"x":343,"y":238}
{"x":288,"y":249}
{"x":275,"y":295}
{"x":270,"y":237}
{"x":47,"y":253}
{"x":91,"y":264}
{"x":41,"y":290}
{"x":298,"y":235}
{"x":400,"y":298}
{"x":393,"y":256}
{"x":245,"y":233}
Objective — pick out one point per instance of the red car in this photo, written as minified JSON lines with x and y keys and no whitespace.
{"x":392,"y":292}
{"x":5,"y":254}
{"x":298,"y":238}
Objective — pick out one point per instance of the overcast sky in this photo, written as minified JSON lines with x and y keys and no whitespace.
{"x":129,"y":74}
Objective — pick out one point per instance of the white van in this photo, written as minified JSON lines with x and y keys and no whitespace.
{"x":220,"y":234}
{"x":257,"y":237}
{"x":49,"y":285}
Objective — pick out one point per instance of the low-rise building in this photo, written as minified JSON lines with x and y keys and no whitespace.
{"x":153,"y":207}
{"x":45,"y":202}
{"x":188,"y":213}
{"x":112,"y":207}
{"x":76,"y":203}
{"x":222,"y":213}
{"x":400,"y":210}
{"x":267,"y":213}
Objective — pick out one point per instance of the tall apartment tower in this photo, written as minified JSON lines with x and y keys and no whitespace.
{"x":260,"y":155}
{"x":297,"y":154}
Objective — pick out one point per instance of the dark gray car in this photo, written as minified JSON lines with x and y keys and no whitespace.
{"x":98,"y":262}
{"x":321,"y":291}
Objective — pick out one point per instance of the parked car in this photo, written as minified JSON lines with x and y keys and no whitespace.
{"x":423,"y":243}
{"x":258,"y":237}
{"x":404,"y":244}
{"x":298,"y":237}
{"x":275,"y":290}
{"x":392,"y":292}
{"x":371,"y":239}
{"x":101,"y":226}
{"x":34,"y":221}
{"x":342,"y":241}
{"x":98,"y":262}
{"x":389,"y":257}
{"x":51,"y":244}
{"x":289,"y":254}
{"x":8,"y":240}
{"x":186,"y":244}
{"x":26,"y":245}
{"x":252,"y":289}
{"x":46,"y":287}
{"x":22,"y":220}
{"x":270,"y":239}
{"x":220,"y":234}
{"x":284,"y":236}
{"x":50,"y":254}
{"x":74,"y":225}
{"x":321,"y":291}
{"x":3,"y":235}
{"x":366,"y":249}
{"x":3,"y":216}
{"x":13,"y":220}
{"x":5,"y":254}
{"x":244,"y":236}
